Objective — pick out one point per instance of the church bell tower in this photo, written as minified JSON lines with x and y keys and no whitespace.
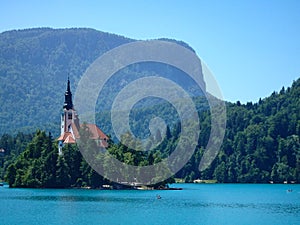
{"x":70,"y":126}
{"x":68,"y":117}
{"x":69,"y":112}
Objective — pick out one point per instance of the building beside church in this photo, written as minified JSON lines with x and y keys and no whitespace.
{"x":70,"y":125}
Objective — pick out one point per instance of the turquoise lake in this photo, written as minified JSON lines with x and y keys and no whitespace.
{"x":195,"y":204}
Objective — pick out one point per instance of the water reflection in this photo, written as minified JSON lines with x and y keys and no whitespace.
{"x":166,"y":202}
{"x":196,"y":204}
{"x":76,"y":198}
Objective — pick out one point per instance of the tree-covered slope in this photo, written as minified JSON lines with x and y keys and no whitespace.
{"x":34,"y":66}
{"x":261,"y":144}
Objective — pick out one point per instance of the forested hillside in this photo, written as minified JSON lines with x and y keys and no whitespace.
{"x":261,"y":144}
{"x":35,"y":65}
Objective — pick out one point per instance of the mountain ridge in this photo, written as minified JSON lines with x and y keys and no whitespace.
{"x":34,"y":65}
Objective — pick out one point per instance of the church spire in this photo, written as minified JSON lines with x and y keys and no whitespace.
{"x":68,"y":104}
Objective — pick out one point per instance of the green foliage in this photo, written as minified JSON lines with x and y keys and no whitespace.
{"x":11,"y":146}
{"x":261,"y":143}
{"x":40,"y":166}
{"x":63,"y":177}
{"x":35,"y":63}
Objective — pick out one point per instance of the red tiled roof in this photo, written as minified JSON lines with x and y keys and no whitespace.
{"x":95,"y":131}
{"x":64,"y":136}
{"x":69,"y":140}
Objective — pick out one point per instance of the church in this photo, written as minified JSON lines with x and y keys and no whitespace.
{"x":70,"y":125}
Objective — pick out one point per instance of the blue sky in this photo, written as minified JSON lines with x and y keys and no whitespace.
{"x":252,"y":47}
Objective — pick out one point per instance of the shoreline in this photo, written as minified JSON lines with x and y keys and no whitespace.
{"x":167,"y":188}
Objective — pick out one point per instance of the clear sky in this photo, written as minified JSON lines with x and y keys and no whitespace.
{"x":252,"y":47}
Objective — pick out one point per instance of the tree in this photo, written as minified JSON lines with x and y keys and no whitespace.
{"x":11,"y":175}
{"x":63,"y":177}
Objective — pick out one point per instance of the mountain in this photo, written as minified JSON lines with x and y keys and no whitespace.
{"x":35,"y":64}
{"x":261,"y":143}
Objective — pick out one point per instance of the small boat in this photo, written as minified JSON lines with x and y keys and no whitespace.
{"x":158,"y":196}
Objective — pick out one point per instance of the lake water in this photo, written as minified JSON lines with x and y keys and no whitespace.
{"x":195,"y":204}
